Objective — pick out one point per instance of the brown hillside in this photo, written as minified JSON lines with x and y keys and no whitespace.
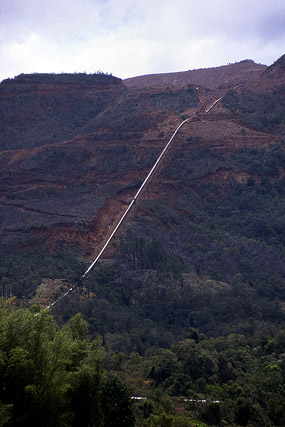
{"x":226,"y":75}
{"x":67,"y":191}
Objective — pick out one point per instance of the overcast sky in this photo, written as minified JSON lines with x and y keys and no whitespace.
{"x":134,"y":37}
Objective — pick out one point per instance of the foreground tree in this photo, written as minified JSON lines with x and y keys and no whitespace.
{"x":51,"y":376}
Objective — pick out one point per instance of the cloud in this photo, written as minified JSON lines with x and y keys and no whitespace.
{"x":130,"y":38}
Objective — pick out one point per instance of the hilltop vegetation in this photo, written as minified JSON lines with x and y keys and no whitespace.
{"x":77,"y":78}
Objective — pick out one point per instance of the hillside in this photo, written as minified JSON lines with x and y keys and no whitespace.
{"x":189,"y":298}
{"x":218,"y":199}
{"x":74,"y":149}
{"x":212,"y":78}
{"x":40,"y":109}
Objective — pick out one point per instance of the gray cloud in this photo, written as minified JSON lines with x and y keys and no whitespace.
{"x":129,"y":38}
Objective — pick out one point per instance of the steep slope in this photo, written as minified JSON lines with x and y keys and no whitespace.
{"x":216,"y":210}
{"x":67,"y":192}
{"x":39,"y":109}
{"x":261,"y":103}
{"x":273,"y":77}
{"x":51,"y":189}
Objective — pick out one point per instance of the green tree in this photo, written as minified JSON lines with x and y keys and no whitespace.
{"x":116,"y":403}
{"x":52,"y":376}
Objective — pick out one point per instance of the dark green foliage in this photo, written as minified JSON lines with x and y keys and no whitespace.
{"x":133,"y":115}
{"x":262,"y":162}
{"x":53,"y":377}
{"x":57,"y":159}
{"x":211,"y":414}
{"x":233,"y":229}
{"x":25,"y":271}
{"x":176,"y":101}
{"x":235,"y":380}
{"x":115,"y":159}
{"x":76,"y":78}
{"x":234,"y":235}
{"x":264,"y":111}
{"x":149,"y":254}
{"x":116,"y":404}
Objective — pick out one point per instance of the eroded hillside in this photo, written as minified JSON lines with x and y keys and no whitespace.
{"x":75,"y":149}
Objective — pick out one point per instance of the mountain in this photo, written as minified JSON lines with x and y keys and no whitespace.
{"x":75,"y":149}
{"x":189,"y":297}
{"x":225,"y":75}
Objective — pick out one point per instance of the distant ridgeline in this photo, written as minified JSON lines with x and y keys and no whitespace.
{"x":98,"y":77}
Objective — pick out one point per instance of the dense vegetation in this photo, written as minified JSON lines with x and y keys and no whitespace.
{"x":53,"y":377}
{"x":262,"y":111}
{"x":135,"y":110}
{"x":23,"y":272}
{"x":230,"y":380}
{"x":98,"y":77}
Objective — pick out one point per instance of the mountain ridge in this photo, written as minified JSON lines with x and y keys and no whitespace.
{"x":212,"y":78}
